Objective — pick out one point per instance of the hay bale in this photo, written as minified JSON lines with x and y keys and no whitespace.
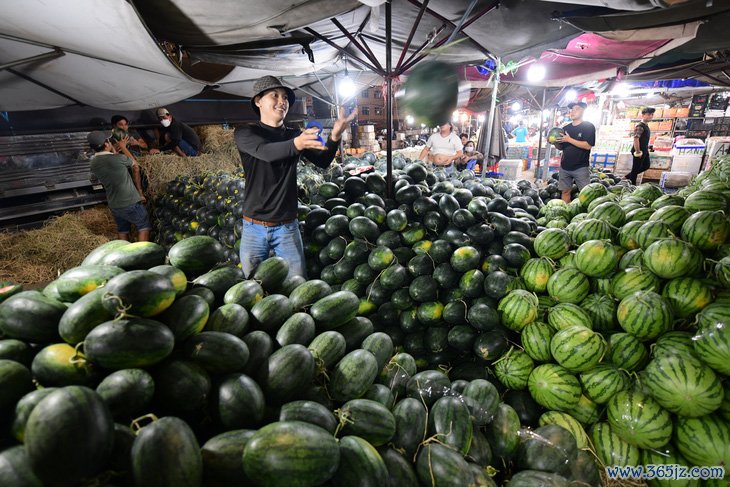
{"x":163,"y":168}
{"x":215,"y":139}
{"x":40,"y":255}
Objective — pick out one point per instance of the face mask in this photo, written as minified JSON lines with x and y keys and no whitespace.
{"x":166,"y":122}
{"x":469,"y":149}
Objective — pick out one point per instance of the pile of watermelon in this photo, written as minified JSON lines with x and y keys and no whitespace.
{"x":167,"y":368}
{"x":462,"y":332}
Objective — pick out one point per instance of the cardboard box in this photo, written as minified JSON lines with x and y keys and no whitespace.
{"x":675,"y":179}
{"x":683,"y":112}
{"x":366,"y":129}
{"x":670,"y":112}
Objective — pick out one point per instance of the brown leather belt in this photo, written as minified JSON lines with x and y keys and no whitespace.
{"x":266,"y":224}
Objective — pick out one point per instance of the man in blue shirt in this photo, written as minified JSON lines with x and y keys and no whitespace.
{"x":520,"y":133}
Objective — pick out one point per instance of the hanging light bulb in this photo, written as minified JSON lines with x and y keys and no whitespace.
{"x":571,"y":95}
{"x":535,"y":73}
{"x":346,"y":87}
{"x":516,"y":106}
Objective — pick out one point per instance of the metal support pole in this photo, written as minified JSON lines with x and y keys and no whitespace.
{"x":40,"y":57}
{"x":539,"y":140}
{"x":389,"y":99}
{"x":490,"y":121}
{"x":368,"y":54}
{"x":352,"y":57}
{"x":407,"y":45}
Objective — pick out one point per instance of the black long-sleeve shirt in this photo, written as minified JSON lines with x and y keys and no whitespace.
{"x":270,"y":164}
{"x":178,"y":131}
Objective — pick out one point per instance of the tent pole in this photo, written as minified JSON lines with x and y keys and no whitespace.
{"x":355,"y":43}
{"x":420,"y":49}
{"x":458,"y":29}
{"x":490,"y":121}
{"x":32,"y":59}
{"x":389,"y":99}
{"x":539,"y":140}
{"x":352,"y":57}
{"x":407,"y":45}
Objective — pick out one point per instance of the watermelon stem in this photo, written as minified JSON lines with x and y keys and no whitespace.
{"x":78,"y":356}
{"x":344,"y":418}
{"x":136,"y":426}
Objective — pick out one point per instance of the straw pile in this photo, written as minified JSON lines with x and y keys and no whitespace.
{"x":163,"y":168}
{"x":40,"y":255}
{"x":218,"y":140}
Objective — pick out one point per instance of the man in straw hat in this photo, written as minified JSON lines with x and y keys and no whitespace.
{"x":270,"y":152}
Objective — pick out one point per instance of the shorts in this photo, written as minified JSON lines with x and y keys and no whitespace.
{"x":135,"y":214}
{"x":580,"y":176}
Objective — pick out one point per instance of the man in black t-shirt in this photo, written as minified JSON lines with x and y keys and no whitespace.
{"x":269,"y":153}
{"x":576,"y":145}
{"x":176,"y":136}
{"x":640,"y":149}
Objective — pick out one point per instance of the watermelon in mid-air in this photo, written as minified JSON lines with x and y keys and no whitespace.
{"x":431,"y":92}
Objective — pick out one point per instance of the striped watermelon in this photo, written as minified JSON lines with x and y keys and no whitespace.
{"x":519,"y":308}
{"x":559,"y":223}
{"x":535,"y":339}
{"x":602,"y":310}
{"x":648,"y":192}
{"x":706,"y":230}
{"x":603,"y":382}
{"x":645,"y":314}
{"x":626,"y":352}
{"x":513,"y":369}
{"x":552,"y":243}
{"x":687,"y":295}
{"x":587,"y":412}
{"x":611,"y":449}
{"x":567,"y":260}
{"x":704,"y":200}
{"x":670,"y":258}
{"x":579,"y":218}
{"x":667,"y":200}
{"x":650,"y":232}
{"x":668,"y":455}
{"x":722,"y":272}
{"x":631,"y":280}
{"x":639,"y":420}
{"x":674,"y":343}
{"x":591,"y":229}
{"x":535,"y":273}
{"x":577,"y":348}
{"x":683,"y":385}
{"x":569,"y":423}
{"x":568,"y":286}
{"x":603,"y":199}
{"x":704,"y":441}
{"x":673,"y":216}
{"x":596,"y":258}
{"x":591,"y":192}
{"x":712,"y":342}
{"x":566,"y":315}
{"x":632,"y":258}
{"x":609,"y":212}
{"x":724,"y":410}
{"x":545,"y":302}
{"x":553,"y":387}
{"x":602,"y":286}
{"x":627,"y":235}
{"x":641,"y":214}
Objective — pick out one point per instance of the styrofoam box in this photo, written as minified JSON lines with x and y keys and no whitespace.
{"x":675,"y":179}
{"x":689,"y":163}
{"x":510,"y":168}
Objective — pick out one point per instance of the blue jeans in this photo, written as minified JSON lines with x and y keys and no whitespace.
{"x":257,"y":241}
{"x":188,"y":149}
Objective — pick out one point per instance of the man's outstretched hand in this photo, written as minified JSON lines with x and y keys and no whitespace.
{"x":308,"y":139}
{"x":341,"y":124}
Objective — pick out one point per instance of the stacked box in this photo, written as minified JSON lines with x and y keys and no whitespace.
{"x":660,"y":162}
{"x":606,"y":160}
{"x":675,"y":179}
